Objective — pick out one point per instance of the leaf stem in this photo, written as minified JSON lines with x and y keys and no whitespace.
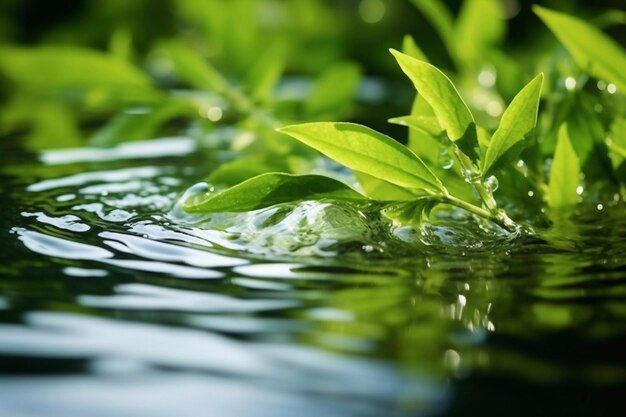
{"x":498,"y":216}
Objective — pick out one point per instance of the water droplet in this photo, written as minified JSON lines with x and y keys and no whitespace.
{"x":491,"y":184}
{"x":531,"y":193}
{"x":601,"y":85}
{"x":579,"y":190}
{"x":445,"y":161}
{"x":611,"y":88}
{"x":599,"y":207}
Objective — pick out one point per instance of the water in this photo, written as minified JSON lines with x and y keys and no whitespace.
{"x":113,"y":302}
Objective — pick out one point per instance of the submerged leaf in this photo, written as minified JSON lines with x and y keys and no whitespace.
{"x":412,"y":212}
{"x":363,"y":149}
{"x":592,"y":50}
{"x":517,"y":121}
{"x":565,"y":173}
{"x":269,"y":189}
{"x":449,"y":108}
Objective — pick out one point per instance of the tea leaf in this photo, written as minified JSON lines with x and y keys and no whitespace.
{"x":368,"y":151}
{"x":565,"y":172}
{"x":382,"y":190}
{"x":450,"y":110}
{"x":592,"y":50}
{"x":426,"y":124}
{"x":269,"y":189}
{"x":412,"y":212}
{"x":517,"y":121}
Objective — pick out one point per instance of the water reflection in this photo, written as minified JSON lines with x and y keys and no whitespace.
{"x":118,"y":298}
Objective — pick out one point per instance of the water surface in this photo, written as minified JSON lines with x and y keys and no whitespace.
{"x":113,"y":302}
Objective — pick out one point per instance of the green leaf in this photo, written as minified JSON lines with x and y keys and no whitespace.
{"x":334,"y":90}
{"x":565,"y":173}
{"x":266,"y":71}
{"x":246,"y":167}
{"x":194,"y":69}
{"x":617,"y":142}
{"x":269,"y":189}
{"x":517,"y":121}
{"x":450,"y":110}
{"x":480,"y":27}
{"x":129,"y":126}
{"x":592,"y":50}
{"x":54,"y":68}
{"x":413,"y":212}
{"x":363,"y":149}
{"x":382,"y":190}
{"x":426,"y":124}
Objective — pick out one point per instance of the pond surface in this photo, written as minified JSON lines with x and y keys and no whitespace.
{"x":112,"y":302}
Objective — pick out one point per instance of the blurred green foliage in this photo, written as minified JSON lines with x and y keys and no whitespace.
{"x":101,"y":72}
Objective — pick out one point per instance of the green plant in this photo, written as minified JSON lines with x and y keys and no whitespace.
{"x":391,"y":167}
{"x":409,"y":181}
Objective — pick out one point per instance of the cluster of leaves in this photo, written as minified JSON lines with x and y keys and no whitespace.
{"x":410,"y":181}
{"x":227,"y":67}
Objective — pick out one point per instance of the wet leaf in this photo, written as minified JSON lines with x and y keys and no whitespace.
{"x":269,"y":189}
{"x":517,"y":121}
{"x":450,"y":110}
{"x":363,"y":149}
{"x":413,"y":212}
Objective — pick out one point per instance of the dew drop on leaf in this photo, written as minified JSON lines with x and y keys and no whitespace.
{"x":491,"y":184}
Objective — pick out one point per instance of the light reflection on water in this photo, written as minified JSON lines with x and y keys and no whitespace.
{"x":306,"y":309}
